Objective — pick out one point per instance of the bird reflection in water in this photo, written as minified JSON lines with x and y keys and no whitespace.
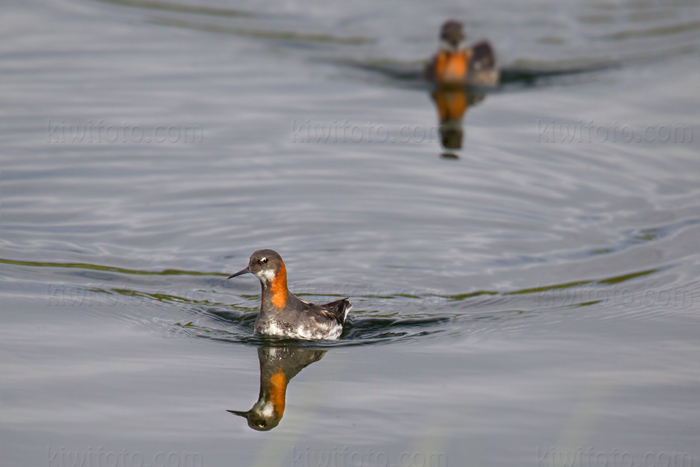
{"x":278,"y":365}
{"x":459,"y":73}
{"x":451,"y":105}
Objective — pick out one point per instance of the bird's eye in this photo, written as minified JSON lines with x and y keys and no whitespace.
{"x":263,"y":260}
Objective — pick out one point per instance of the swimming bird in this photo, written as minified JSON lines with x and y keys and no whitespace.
{"x":282,"y":313}
{"x":456,"y":64}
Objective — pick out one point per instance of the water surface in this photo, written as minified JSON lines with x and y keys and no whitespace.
{"x":532,"y":297}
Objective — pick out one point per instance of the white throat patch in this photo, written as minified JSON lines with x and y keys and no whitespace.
{"x":267,"y":274}
{"x":444,"y":45}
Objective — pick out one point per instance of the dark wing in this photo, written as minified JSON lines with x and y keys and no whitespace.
{"x":336,"y":310}
{"x":483,"y":56}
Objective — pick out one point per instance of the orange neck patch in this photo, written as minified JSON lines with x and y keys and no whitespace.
{"x":278,"y":388}
{"x":278,"y":288}
{"x":451,"y":66}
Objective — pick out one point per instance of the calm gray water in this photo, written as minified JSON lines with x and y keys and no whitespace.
{"x":529,"y":299}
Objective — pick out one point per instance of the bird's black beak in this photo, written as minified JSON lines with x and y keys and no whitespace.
{"x":239,"y":413}
{"x":244,"y":271}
